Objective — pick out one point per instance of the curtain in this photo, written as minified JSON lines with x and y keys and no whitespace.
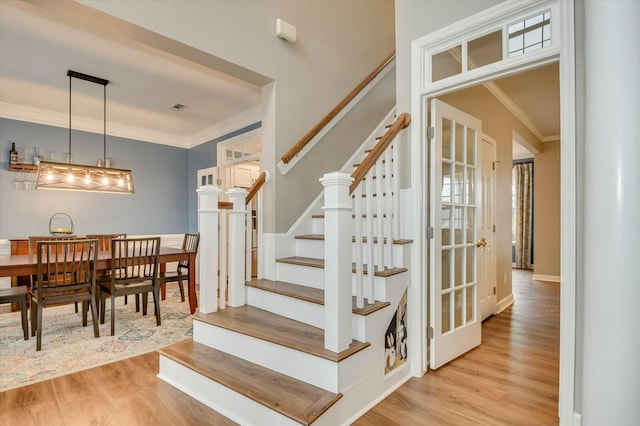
{"x":524,"y":184}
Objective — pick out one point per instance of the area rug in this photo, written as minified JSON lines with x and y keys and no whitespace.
{"x":68,"y":347}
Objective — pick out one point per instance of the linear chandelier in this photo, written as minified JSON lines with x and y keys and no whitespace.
{"x":81,"y":177}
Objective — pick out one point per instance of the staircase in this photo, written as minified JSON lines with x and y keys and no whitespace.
{"x":266,"y":362}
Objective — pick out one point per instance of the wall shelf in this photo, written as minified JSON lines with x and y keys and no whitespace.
{"x":29,"y":168}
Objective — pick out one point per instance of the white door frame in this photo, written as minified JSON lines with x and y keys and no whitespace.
{"x":565,"y":53}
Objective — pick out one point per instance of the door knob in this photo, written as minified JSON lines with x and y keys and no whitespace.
{"x":482,"y":242}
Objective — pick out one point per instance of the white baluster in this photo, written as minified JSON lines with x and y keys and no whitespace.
{"x":237,"y":254}
{"x":368,"y":202}
{"x":358,"y":257}
{"x":388,"y":211}
{"x":337,"y":261}
{"x":208,"y":257}
{"x":223,"y":250}
{"x":379,"y":201}
{"x":248,"y":243}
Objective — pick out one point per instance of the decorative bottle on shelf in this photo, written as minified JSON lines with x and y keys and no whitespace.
{"x":13,"y":154}
{"x":37,"y":157}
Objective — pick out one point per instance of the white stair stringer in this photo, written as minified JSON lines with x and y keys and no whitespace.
{"x":317,"y":371}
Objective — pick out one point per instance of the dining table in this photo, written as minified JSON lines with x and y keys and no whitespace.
{"x":16,"y":265}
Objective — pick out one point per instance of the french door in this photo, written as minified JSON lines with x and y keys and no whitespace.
{"x":454,"y":214}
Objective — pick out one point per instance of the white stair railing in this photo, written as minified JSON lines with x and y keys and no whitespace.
{"x":222,"y":249}
{"x":370,"y":196}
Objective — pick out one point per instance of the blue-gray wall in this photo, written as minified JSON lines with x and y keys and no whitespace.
{"x":160,"y":204}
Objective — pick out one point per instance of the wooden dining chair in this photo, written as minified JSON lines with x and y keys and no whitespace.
{"x":33,"y":241}
{"x":104,"y":240}
{"x":104,"y":244}
{"x":190,"y":243}
{"x":66,"y":273}
{"x":134,"y":270}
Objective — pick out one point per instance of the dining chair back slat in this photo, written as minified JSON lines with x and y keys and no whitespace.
{"x":104,"y":240}
{"x":134,"y":266}
{"x":65,"y":274}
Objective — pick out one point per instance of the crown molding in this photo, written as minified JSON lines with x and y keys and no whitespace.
{"x":56,"y":119}
{"x":551,"y":138}
{"x":513,"y":108}
{"x":236,"y":122}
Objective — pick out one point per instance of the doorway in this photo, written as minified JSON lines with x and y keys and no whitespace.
{"x":435,"y":49}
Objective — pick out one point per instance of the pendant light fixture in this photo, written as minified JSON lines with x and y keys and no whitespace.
{"x":80,"y":177}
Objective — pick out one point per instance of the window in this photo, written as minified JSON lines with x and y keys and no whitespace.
{"x":530,"y":34}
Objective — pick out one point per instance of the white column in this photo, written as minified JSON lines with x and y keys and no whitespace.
{"x":208,"y":256}
{"x":337,"y":261}
{"x":611,"y":331}
{"x":237,"y":243}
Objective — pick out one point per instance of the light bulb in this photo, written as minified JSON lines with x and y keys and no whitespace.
{"x":105,"y":181}
{"x":70,"y":177}
{"x":87,"y":179}
{"x":49,"y":175}
{"x":120,"y":182}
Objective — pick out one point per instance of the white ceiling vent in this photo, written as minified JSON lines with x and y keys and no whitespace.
{"x":178,"y":107}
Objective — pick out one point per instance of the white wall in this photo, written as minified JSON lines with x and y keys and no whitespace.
{"x":338,"y":44}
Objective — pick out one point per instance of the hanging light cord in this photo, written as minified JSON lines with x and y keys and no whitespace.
{"x":69,"y":157}
{"x":104,"y":129}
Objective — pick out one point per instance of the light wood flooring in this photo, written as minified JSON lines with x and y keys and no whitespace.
{"x":511,"y":379}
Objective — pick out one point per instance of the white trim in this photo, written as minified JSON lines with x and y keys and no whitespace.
{"x":568,"y":214}
{"x":379,"y":399}
{"x":236,"y":122}
{"x":577,"y":419}
{"x":513,"y":108}
{"x":547,"y":278}
{"x":563,"y":48}
{"x":533,"y":148}
{"x":551,"y":138}
{"x":285,"y":167}
{"x":504,"y":303}
{"x":56,"y":119}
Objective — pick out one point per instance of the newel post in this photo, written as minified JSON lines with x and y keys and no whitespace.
{"x":208,"y":215}
{"x":337,"y":261}
{"x":237,"y":241}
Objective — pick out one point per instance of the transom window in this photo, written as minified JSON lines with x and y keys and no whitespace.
{"x":530,"y":34}
{"x":524,"y":33}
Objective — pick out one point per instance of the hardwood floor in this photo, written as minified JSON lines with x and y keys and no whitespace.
{"x":511,"y":379}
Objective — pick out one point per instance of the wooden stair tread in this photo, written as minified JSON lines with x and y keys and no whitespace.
{"x":290,"y":397}
{"x":319,"y":263}
{"x":277,"y":329}
{"x":309,"y":294}
{"x":320,"y":237}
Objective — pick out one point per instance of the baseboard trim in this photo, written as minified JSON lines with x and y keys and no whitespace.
{"x":577,"y":419}
{"x":504,"y":303}
{"x":549,"y":278}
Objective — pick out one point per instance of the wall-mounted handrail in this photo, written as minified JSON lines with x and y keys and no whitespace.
{"x":361,"y":171}
{"x":299,"y":146}
{"x":256,"y":186}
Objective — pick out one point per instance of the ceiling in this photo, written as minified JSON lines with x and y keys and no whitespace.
{"x":36,"y":52}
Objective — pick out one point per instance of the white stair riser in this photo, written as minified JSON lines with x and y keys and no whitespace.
{"x":220,"y":398}
{"x":303,"y":311}
{"x":314,"y":277}
{"x":315,"y":249}
{"x":311,"y":369}
{"x":299,"y":310}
